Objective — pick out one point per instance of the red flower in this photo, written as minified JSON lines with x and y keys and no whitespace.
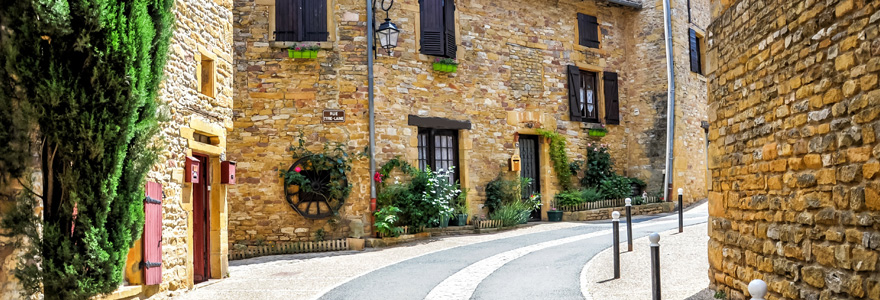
{"x":297,"y":169}
{"x":377,"y":177}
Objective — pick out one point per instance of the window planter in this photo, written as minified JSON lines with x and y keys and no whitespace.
{"x":307,"y":54}
{"x":597,"y":132}
{"x":447,"y":68}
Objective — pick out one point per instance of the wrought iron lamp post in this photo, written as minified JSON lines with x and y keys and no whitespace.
{"x":387,"y":33}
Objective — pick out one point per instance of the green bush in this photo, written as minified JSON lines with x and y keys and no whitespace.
{"x":598,"y":166}
{"x":386,"y":220}
{"x":615,"y":187}
{"x":591,"y":195}
{"x":427,"y":196}
{"x":512,"y":213}
{"x":568,"y":198}
{"x":501,"y":191}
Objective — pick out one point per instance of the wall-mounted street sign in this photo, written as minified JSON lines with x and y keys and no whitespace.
{"x":333,"y":116}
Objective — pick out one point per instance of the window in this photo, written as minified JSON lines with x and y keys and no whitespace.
{"x":301,"y":20}
{"x":438,"y":149}
{"x":583,"y":93}
{"x":588,"y":31}
{"x":437,"y":28}
{"x":696,"y":60}
{"x":206,"y":76}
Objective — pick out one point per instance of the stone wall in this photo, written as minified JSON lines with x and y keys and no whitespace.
{"x":605,"y":213}
{"x":511,"y":79}
{"x":794,"y":148}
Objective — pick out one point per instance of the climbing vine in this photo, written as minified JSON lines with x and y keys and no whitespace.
{"x":559,"y":156}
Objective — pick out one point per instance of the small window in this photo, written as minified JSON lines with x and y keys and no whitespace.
{"x":437,"y":28}
{"x":696,"y":57}
{"x":588,"y":31}
{"x":583,"y":96}
{"x":438,"y":149}
{"x":301,"y":21}
{"x":206,"y":76}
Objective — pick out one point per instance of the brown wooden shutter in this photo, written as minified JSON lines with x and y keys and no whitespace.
{"x":612,"y":99}
{"x":695,"y":52}
{"x":449,"y":24}
{"x":588,"y":31}
{"x":153,"y":233}
{"x":574,"y":83}
{"x":315,"y":20}
{"x":288,"y":20}
{"x":433,"y":41}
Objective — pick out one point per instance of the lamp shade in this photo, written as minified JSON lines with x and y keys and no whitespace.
{"x":387,"y":35}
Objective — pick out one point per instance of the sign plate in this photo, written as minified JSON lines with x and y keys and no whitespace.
{"x":333,"y":116}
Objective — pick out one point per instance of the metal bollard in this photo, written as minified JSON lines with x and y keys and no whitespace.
{"x":629,"y":225}
{"x":615,"y":221}
{"x":758,"y":289}
{"x":655,"y":264}
{"x":680,"y":211}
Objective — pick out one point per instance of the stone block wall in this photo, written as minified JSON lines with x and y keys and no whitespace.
{"x":794,"y":149}
{"x":511,"y":80}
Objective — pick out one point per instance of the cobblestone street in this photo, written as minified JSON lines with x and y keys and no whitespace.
{"x":545,"y":261}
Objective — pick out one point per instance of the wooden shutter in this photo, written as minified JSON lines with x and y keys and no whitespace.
{"x":433,"y":41}
{"x":288,"y":20}
{"x":153,"y":233}
{"x":574,"y":83}
{"x":449,"y":24}
{"x":695,"y":52}
{"x":588,"y":31}
{"x":315,"y":20}
{"x":612,"y":99}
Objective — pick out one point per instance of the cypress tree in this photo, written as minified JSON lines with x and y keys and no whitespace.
{"x":79,"y":78}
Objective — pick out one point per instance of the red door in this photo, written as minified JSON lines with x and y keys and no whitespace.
{"x":201,"y":223}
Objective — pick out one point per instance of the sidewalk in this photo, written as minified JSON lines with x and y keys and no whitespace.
{"x":684,"y":266}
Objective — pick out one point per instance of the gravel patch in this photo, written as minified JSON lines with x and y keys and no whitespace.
{"x":684,"y":266}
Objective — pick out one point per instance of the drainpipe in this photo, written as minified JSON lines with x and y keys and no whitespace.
{"x":370,"y":43}
{"x":670,"y":107}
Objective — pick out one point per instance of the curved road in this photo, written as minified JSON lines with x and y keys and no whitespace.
{"x":542,"y":265}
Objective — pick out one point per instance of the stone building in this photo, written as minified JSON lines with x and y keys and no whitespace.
{"x":794,"y":148}
{"x":197,"y":95}
{"x":523,"y":66}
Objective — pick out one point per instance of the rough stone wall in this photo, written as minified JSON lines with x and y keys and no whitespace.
{"x":513,"y":57}
{"x":794,"y":148}
{"x":205,"y":24}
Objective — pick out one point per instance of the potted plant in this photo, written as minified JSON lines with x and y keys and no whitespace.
{"x":461,"y":210}
{"x":448,"y":65}
{"x":554,"y":215}
{"x":308,"y":52}
{"x":598,"y":132}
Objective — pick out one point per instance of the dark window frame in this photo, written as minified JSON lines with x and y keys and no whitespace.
{"x":427,"y":149}
{"x":437,"y":28}
{"x":696,"y":58}
{"x":584,"y":113}
{"x":301,"y":21}
{"x":588,"y":31}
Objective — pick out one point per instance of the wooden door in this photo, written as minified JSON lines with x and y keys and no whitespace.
{"x":201,"y":223}
{"x":529,"y":151}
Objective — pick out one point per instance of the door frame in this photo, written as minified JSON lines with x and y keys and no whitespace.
{"x":204,"y":183}
{"x":536,"y":214}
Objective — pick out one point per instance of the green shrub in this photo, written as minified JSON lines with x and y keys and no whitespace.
{"x":638,"y":201}
{"x":591,"y":195}
{"x":615,"y":187}
{"x":568,"y":198}
{"x":512,"y":213}
{"x":501,"y":191}
{"x":598,"y":166}
{"x":428,"y":196}
{"x":386,"y":220}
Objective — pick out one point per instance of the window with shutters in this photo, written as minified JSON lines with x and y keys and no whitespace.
{"x":588,"y":31}
{"x":694,"y":41}
{"x":437,"y":28}
{"x":583,"y":96}
{"x":438,"y":149}
{"x":298,"y":20}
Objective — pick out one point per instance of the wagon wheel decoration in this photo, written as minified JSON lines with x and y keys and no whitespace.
{"x":322,"y":192}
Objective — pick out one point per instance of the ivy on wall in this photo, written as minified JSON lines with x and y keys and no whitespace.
{"x":559,"y":156}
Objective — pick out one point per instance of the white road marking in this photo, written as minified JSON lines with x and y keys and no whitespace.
{"x":463,"y":283}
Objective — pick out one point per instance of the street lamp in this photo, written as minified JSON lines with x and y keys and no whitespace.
{"x":387,"y":34}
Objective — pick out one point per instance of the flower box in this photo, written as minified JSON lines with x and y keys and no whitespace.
{"x":307,"y":54}
{"x":597,"y":132}
{"x":447,"y":68}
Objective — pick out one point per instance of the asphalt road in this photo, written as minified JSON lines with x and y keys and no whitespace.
{"x":543,"y":265}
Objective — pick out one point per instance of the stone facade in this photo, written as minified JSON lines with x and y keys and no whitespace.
{"x":512,"y":79}
{"x":794,"y":148}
